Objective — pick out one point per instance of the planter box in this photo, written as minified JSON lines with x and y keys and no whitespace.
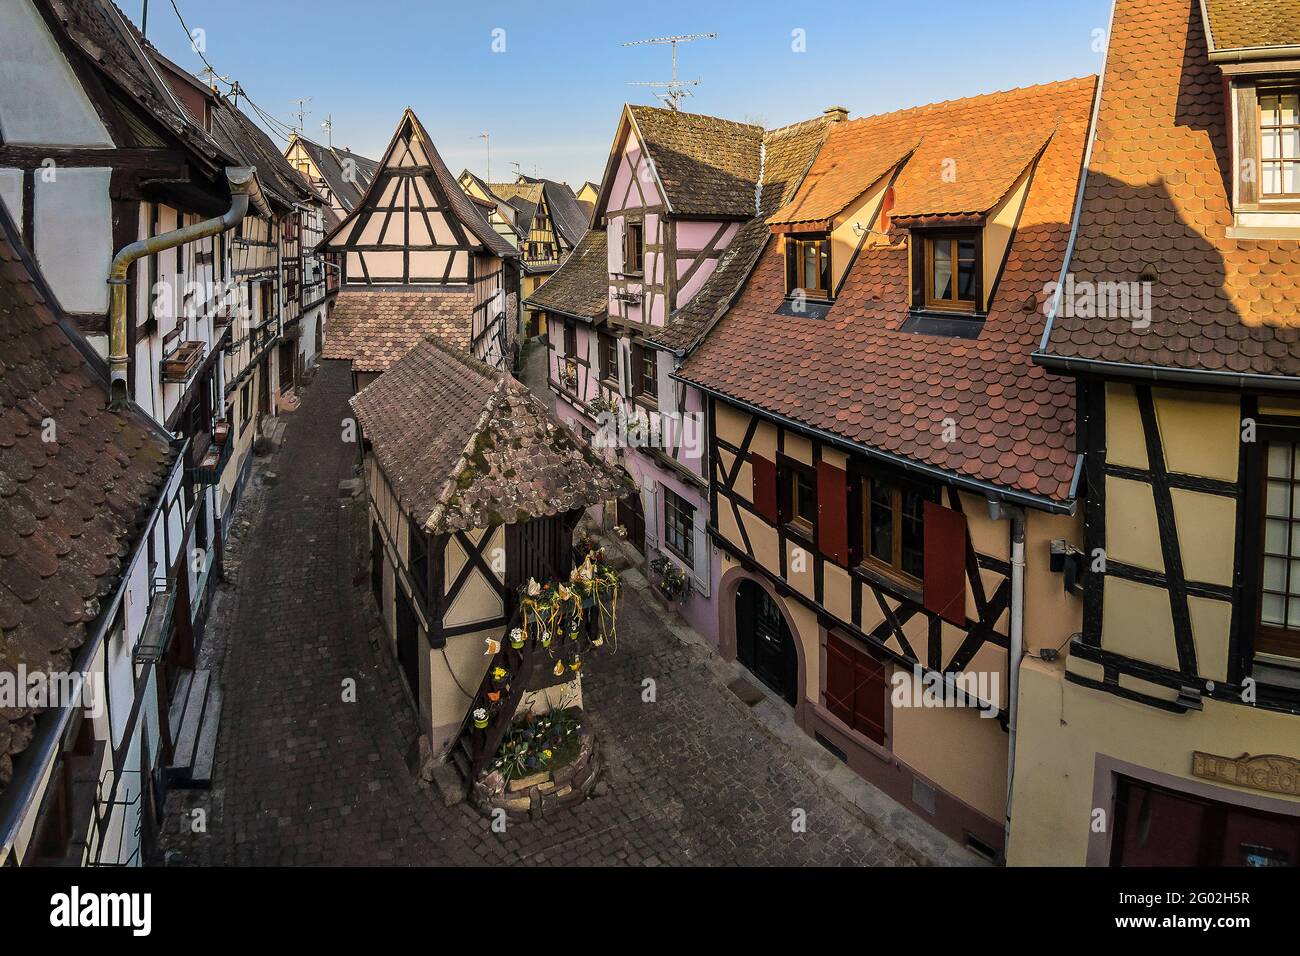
{"x":220,"y":432}
{"x":181,"y":364}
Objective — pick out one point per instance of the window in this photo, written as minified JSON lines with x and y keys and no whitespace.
{"x":1279,"y":140}
{"x":245,"y":406}
{"x":679,"y":526}
{"x":609,"y":358}
{"x":266,"y":294}
{"x":419,"y":551}
{"x":643,"y":365}
{"x":798,"y":505}
{"x":808,"y":266}
{"x":1279,"y":608}
{"x":633,"y":246}
{"x":856,"y":688}
{"x":952,"y":272}
{"x":893,"y":527}
{"x":570,"y":339}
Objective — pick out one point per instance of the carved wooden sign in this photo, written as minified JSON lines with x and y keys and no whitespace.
{"x":1270,"y":772}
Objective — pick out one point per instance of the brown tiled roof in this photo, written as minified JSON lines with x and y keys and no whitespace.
{"x":787,"y":154}
{"x":856,"y":374}
{"x":837,"y":175}
{"x":1235,"y":24}
{"x":580,"y":286}
{"x":70,"y":509}
{"x":375,"y":327}
{"x":467,"y":447}
{"x":708,"y":166}
{"x":968,"y":170}
{"x":1157,"y":199}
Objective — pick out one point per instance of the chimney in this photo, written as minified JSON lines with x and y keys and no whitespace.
{"x":836,"y":114}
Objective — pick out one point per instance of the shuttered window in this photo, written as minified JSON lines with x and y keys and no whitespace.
{"x":679,"y":526}
{"x":764,"y":495}
{"x":893,"y":526}
{"x":832,"y":513}
{"x":944,"y":562}
{"x":857,"y":688}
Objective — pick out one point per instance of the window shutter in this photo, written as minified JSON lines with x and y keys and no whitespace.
{"x":945,"y":563}
{"x":764,"y":486}
{"x":703,"y":557}
{"x":648,"y":496}
{"x":917,"y":241}
{"x":664,"y":373}
{"x":624,"y":368}
{"x":1248,"y":155}
{"x":832,"y":513}
{"x":614,"y":246}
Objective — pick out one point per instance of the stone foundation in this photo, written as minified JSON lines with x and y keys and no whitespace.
{"x":536,"y":795}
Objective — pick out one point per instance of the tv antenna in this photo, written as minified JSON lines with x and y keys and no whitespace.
{"x":671,"y":91}
{"x":328,"y":127}
{"x":302,"y":111}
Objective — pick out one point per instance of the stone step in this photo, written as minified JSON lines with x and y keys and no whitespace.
{"x":205,"y":754}
{"x":187,"y":736}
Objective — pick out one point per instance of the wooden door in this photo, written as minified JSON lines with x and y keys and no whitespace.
{"x":764,"y":643}
{"x":631,"y":515}
{"x":540,"y":548}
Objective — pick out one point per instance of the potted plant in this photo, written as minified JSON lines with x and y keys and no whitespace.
{"x":517,"y":638}
{"x":500,"y":675}
{"x":220,"y":431}
{"x":672,"y":579}
{"x":481,"y":718}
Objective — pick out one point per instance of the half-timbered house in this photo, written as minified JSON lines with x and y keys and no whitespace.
{"x":338,"y":175}
{"x":417,"y":248}
{"x":468,"y":500}
{"x":887,"y":468}
{"x":675,"y":231}
{"x":548,"y":223}
{"x":1166,"y":733}
{"x":135,"y":189}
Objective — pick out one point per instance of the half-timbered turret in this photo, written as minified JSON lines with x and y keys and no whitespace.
{"x":469,"y":500}
{"x":414,"y":234}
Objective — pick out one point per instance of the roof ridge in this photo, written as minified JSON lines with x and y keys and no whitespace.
{"x":1015,"y":92}
{"x":707,"y":116}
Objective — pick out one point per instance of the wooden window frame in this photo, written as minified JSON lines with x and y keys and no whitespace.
{"x":570,"y":339}
{"x":1273,"y":637}
{"x":640,"y":356}
{"x":794,"y":246}
{"x":860,"y":481}
{"x":953,"y":238}
{"x":634,"y":253}
{"x":1264,"y":90}
{"x":676,"y":504}
{"x":788,"y":472}
{"x":245,"y":405}
{"x":608,"y":358}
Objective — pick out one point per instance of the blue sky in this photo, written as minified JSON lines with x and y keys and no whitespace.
{"x":551,"y":99}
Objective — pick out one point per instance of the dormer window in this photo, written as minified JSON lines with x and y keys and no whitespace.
{"x":951,"y":262}
{"x":808,"y":265}
{"x":1279,"y":140}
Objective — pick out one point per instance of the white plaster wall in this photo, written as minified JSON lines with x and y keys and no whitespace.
{"x":41,"y":102}
{"x":11,"y":193}
{"x":73,"y":223}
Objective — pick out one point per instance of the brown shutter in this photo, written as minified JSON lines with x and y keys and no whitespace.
{"x":832,"y":513}
{"x":764,"y":486}
{"x":945,"y":563}
{"x":1248,"y":173}
{"x":917,"y":240}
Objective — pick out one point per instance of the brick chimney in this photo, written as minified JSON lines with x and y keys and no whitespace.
{"x":836,"y":114}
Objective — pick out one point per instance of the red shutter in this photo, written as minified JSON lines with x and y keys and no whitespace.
{"x":764,"y":486}
{"x":856,"y":688}
{"x":945,"y":563}
{"x":832,"y":513}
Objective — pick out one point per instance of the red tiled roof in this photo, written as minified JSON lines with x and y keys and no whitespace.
{"x":375,"y":327}
{"x":70,"y":508}
{"x":857,"y":375}
{"x":1157,"y":198}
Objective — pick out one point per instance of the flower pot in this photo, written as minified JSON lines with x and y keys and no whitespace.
{"x":481,"y":718}
{"x":494,"y":695}
{"x":516,"y":642}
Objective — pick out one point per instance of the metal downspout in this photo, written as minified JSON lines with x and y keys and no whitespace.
{"x":243,"y":188}
{"x":1015,"y":649}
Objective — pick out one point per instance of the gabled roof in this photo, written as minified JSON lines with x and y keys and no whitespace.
{"x":566,"y":212}
{"x":111,"y":43}
{"x":787,"y":154}
{"x":374,"y":327}
{"x":837,"y":175}
{"x":707,"y":165}
{"x":522,"y":198}
{"x":466,"y":447}
{"x":859,"y":376}
{"x":1157,"y":199}
{"x":580,"y":286}
{"x":245,"y":140}
{"x":70,"y":509}
{"x":1251,"y":24}
{"x":329,"y":162}
{"x":466,"y":210}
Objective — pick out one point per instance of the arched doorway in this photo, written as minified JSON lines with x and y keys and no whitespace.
{"x":764,"y":643}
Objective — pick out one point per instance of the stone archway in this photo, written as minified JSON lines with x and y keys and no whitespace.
{"x":728,"y":591}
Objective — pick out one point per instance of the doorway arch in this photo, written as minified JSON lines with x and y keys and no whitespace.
{"x":764,"y":642}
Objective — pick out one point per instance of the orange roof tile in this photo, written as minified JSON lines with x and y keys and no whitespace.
{"x":858,"y":375}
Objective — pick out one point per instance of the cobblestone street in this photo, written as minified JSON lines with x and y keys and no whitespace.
{"x":303,"y":777}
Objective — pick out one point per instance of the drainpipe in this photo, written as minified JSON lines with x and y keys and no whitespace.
{"x":1016,"y":638}
{"x":243,"y":188}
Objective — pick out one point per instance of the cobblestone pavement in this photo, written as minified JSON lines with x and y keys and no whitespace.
{"x":304,"y":777}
